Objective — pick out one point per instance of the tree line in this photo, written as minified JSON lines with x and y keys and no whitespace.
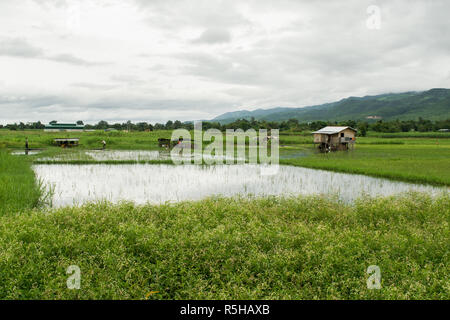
{"x":421,"y":125}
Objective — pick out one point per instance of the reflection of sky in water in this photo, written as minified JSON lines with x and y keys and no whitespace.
{"x":75,"y":184}
{"x":23,"y":152}
{"x":294,"y":155}
{"x":137,"y":155}
{"x":122,"y":155}
{"x":103,"y":155}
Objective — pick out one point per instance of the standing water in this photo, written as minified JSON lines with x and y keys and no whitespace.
{"x":25,"y":152}
{"x":77,"y":184}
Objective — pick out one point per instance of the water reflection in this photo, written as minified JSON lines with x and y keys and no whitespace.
{"x":76,"y":184}
{"x":137,"y":155}
{"x":26,"y":152}
{"x":124,"y":155}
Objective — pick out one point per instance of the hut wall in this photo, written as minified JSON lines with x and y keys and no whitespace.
{"x":335,"y":138}
{"x":349,"y":133}
{"x":319,"y":138}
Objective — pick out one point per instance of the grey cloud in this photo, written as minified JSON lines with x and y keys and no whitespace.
{"x":177,"y":14}
{"x":322,"y":52}
{"x":71,"y":59}
{"x":32,"y":101}
{"x":93,"y":86}
{"x":252,"y":69}
{"x":130,"y":80}
{"x":219,"y":68}
{"x":213,"y":36}
{"x":19,"y":48}
{"x":110,"y":107}
{"x":133,"y":104}
{"x":332,"y":52}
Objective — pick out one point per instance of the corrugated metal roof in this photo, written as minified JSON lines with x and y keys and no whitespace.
{"x":333,"y":130}
{"x":64,"y":126}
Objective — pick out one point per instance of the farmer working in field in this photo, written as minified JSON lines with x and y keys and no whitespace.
{"x":104,"y":144}
{"x":26,"y":144}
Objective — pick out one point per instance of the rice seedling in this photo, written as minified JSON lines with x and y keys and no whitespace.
{"x":141,"y":183}
{"x":18,"y":187}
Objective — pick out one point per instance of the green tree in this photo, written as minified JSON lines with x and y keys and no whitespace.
{"x":169,"y":125}
{"x":102,"y":125}
{"x":362,"y":128}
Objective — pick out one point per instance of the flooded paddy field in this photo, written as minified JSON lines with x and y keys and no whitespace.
{"x":266,"y":247}
{"x":140,"y":183}
{"x":93,"y":156}
{"x":109,"y":155}
{"x":26,"y":152}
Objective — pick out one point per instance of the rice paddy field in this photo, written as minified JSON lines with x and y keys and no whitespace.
{"x":134,"y":223}
{"x":424,"y":161}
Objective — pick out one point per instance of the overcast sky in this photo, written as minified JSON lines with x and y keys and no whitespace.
{"x":155,"y":60}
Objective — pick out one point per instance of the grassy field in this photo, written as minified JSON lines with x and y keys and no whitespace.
{"x":301,"y":248}
{"x":269,"y":248}
{"x":413,"y":156}
{"x":420,"y":163}
{"x":18,"y":188}
{"x":88,"y":140}
{"x":414,"y":134}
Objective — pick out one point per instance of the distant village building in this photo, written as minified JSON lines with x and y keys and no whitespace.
{"x":335,"y":138}
{"x":63,"y":127}
{"x":374,"y":117}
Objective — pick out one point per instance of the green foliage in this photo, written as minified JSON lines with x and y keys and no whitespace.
{"x":409,"y":156}
{"x":300,"y":248}
{"x":268,"y":248}
{"x":88,"y":140}
{"x":413,"y":160}
{"x":18,"y":190}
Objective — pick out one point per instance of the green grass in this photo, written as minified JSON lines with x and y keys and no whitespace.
{"x":301,"y":248}
{"x":413,"y":134}
{"x":420,"y":163}
{"x":19,"y":189}
{"x":88,"y":140}
{"x":413,"y":159}
{"x":269,"y":248}
{"x":411,"y":156}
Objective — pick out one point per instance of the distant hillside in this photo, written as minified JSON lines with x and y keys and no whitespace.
{"x":433,"y":104}
{"x":248,"y":114}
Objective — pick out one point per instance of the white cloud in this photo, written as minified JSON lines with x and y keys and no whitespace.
{"x":194,"y":59}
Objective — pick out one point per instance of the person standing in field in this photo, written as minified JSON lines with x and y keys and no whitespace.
{"x":26,"y":144}
{"x":104,"y":144}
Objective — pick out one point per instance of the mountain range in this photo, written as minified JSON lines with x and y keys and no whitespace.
{"x":433,"y":104}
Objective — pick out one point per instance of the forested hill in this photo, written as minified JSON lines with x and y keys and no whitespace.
{"x":433,"y":104}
